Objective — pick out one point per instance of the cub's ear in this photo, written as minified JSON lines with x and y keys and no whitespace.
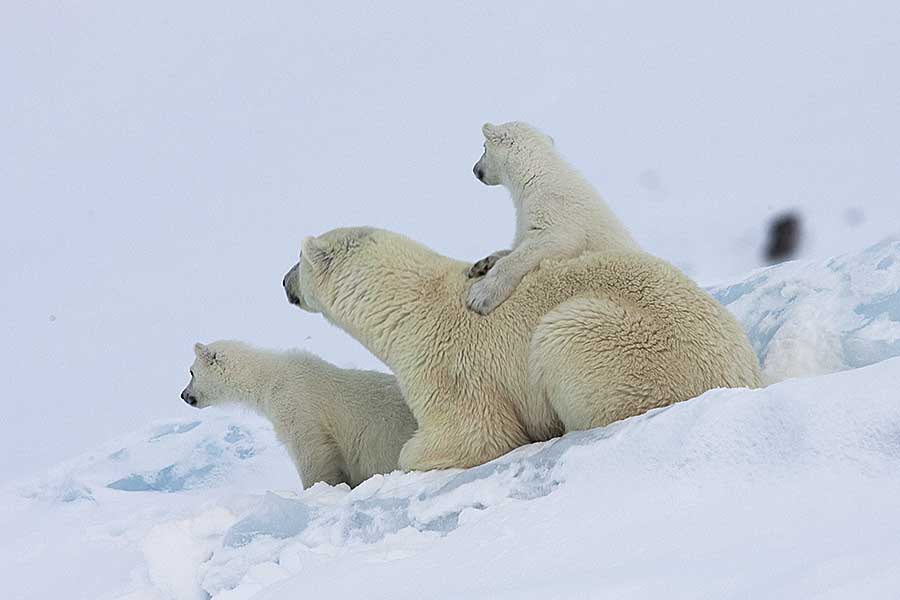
{"x":317,"y":253}
{"x":204,"y":353}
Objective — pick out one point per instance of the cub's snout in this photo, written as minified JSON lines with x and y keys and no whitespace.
{"x":188,"y":397}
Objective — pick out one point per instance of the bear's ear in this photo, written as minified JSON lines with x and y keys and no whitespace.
{"x":356,"y":237}
{"x":205,"y":353}
{"x":491,"y":132}
{"x":317,"y":253}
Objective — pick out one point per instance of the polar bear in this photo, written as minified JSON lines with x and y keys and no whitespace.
{"x":339,"y":425}
{"x":582,"y":343}
{"x":558,"y":212}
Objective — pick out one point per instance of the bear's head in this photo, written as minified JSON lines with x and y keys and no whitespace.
{"x":510,"y":151}
{"x":326,"y":264}
{"x":208,"y":384}
{"x":366,"y":280}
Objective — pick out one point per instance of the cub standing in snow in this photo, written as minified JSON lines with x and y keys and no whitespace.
{"x":339,"y":425}
{"x":558,"y":213}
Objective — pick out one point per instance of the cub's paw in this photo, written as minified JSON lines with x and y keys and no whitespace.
{"x":481,"y":268}
{"x":486,"y":295}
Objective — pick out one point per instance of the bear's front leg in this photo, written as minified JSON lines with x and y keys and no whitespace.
{"x":481,"y":268}
{"x":423,"y":452}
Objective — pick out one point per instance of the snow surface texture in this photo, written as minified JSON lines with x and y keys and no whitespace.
{"x":811,"y":318}
{"x":784,"y":492}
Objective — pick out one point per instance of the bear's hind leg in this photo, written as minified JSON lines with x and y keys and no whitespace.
{"x":596,"y":362}
{"x":424,"y":452}
{"x":459,"y":448}
{"x":320,"y":459}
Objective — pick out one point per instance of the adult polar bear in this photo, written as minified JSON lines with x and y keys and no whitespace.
{"x":581,"y":343}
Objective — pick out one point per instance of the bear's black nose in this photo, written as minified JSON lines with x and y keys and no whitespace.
{"x":291,"y":273}
{"x":478,"y":173}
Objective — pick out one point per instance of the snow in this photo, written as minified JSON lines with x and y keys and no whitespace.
{"x":807,"y":318}
{"x":160,"y":167}
{"x":785,"y":492}
{"x":185,"y":479}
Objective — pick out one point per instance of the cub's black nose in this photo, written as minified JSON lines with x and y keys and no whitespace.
{"x":186,"y":396}
{"x":478,"y":172}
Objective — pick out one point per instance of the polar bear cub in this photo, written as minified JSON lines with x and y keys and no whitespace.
{"x":558,"y":213}
{"x":339,"y":425}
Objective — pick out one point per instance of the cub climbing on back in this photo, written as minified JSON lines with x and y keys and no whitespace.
{"x":558,"y":213}
{"x":339,"y":425}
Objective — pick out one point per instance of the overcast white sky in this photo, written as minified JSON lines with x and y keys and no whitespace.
{"x":160,"y":163}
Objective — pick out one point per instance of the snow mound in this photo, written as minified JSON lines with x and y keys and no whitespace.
{"x":140,"y":511}
{"x":812,"y":318}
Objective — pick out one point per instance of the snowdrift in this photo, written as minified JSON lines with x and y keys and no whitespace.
{"x":812,"y":318}
{"x":790,"y":491}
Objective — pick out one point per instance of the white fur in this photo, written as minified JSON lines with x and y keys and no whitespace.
{"x":582,"y":343}
{"x":339,"y":425}
{"x":558,"y":213}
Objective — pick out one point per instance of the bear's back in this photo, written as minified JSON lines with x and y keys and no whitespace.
{"x":689,"y":319}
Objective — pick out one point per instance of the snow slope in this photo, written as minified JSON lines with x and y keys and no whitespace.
{"x":810,"y":317}
{"x":785,"y":492}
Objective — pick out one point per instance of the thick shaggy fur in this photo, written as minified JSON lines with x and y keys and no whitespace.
{"x":582,"y":343}
{"x":339,"y":425}
{"x":558,"y":213}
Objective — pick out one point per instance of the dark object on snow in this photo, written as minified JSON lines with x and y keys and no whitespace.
{"x":784,"y":238}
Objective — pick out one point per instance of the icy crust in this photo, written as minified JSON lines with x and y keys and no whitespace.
{"x":417,"y":508}
{"x":171,"y":456}
{"x":811,"y":318}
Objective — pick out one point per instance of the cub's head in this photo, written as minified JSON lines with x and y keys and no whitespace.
{"x":207,"y":385}
{"x":329,"y":265}
{"x":509,"y":151}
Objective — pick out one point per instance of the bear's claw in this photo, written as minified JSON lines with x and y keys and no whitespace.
{"x":483,"y":266}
